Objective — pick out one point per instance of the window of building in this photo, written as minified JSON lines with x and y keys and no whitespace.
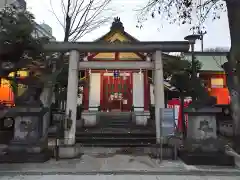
{"x":217,"y":83}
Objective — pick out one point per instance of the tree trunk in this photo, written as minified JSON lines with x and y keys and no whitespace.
{"x":233,"y":7}
{"x":68,"y":22}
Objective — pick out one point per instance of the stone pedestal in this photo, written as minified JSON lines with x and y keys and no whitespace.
{"x":69,"y":152}
{"x":26,"y":145}
{"x":202,"y":147}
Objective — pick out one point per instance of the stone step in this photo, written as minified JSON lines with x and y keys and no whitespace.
{"x":118,"y":124}
{"x":116,"y":137}
{"x":115,"y":119}
{"x":115,"y":141}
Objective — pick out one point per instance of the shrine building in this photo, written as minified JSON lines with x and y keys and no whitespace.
{"x":119,"y":90}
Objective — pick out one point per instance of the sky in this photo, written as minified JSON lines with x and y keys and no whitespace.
{"x":153,"y":30}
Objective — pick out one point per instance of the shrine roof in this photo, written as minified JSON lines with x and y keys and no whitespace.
{"x":211,"y":61}
{"x":117,"y":27}
{"x":117,"y":34}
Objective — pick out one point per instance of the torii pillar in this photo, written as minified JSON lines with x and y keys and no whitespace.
{"x":158,"y":92}
{"x":72,"y":96}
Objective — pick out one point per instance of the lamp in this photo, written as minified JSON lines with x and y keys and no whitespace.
{"x":192,"y":40}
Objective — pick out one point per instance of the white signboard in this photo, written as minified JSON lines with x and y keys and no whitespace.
{"x":168,"y":121}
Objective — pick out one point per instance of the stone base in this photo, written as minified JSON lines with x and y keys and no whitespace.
{"x":206,"y":158}
{"x":89,"y":118}
{"x":5,"y":137}
{"x":141,"y":118}
{"x":69,"y":151}
{"x":24,"y":157}
{"x":168,"y":153}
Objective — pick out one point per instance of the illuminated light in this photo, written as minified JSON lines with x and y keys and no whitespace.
{"x":217,"y":82}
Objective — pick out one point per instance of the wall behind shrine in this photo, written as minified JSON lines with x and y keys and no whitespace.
{"x":95,"y":90}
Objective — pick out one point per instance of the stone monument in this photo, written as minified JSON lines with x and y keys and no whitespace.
{"x":202,"y":146}
{"x":28,"y":144}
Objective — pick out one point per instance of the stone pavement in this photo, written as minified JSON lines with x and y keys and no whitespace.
{"x":108,"y":164}
{"x":117,"y":177}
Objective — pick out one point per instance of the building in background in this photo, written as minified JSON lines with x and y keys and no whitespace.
{"x":19,"y":4}
{"x":213,"y":74}
{"x":43,"y":30}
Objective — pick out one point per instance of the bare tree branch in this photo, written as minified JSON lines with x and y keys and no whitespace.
{"x":181,"y":11}
{"x":67,"y":22}
{"x":77,"y":9}
{"x":63,"y":8}
{"x":82,"y":17}
{"x":53,"y":12}
{"x":90,"y":21}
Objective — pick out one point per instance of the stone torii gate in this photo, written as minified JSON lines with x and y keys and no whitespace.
{"x":75,"y":65}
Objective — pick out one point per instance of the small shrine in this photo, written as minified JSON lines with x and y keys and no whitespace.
{"x":114,"y":89}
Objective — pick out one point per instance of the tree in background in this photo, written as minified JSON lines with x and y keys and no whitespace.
{"x":19,"y":50}
{"x":81,"y":17}
{"x":188,"y":11}
{"x":175,"y":64}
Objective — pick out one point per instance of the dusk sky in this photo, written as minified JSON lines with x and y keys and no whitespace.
{"x":153,"y":30}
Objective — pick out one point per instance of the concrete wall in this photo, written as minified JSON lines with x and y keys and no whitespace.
{"x":138,"y":91}
{"x":94,"y":90}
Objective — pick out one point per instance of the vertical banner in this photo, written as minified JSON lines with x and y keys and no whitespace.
{"x":176,"y":105}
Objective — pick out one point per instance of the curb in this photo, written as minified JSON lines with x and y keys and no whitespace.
{"x":155,"y":173}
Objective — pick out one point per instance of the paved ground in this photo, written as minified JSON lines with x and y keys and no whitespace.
{"x":117,"y":177}
{"x":107,"y":164}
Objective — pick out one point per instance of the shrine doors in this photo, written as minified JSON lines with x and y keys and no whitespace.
{"x":116,"y":92}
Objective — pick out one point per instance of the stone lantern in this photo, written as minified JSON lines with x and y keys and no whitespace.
{"x":28,"y":144}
